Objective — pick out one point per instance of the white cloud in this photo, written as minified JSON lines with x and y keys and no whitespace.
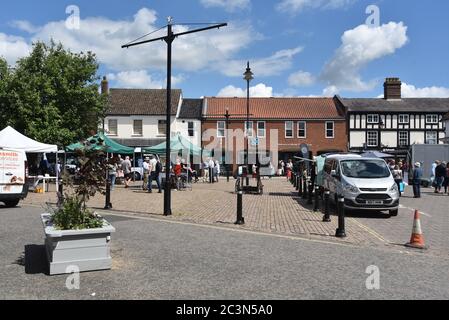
{"x":301,"y":79}
{"x":13,"y":48}
{"x":141,"y":79}
{"x":295,"y":6}
{"x":25,"y":26}
{"x":228,"y":5}
{"x":262,"y":67}
{"x":359,"y":47}
{"x":410,"y":91}
{"x":260,"y":90}
{"x":105,"y":37}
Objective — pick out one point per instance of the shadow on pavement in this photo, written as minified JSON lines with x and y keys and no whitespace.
{"x":33,"y":259}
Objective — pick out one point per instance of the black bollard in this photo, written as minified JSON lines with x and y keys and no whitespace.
{"x":310,"y":193}
{"x":316,"y":205}
{"x":327,"y":217}
{"x":294,"y":180}
{"x":304,"y":189}
{"x":240,"y":219}
{"x":108,"y":204}
{"x":297,"y":182}
{"x":61,"y":193}
{"x":341,"y":233}
{"x":299,"y":186}
{"x":211,"y":175}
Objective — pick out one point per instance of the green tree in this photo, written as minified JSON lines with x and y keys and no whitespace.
{"x":53,"y":95}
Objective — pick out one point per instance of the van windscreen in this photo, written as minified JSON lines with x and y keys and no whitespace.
{"x":365,"y":169}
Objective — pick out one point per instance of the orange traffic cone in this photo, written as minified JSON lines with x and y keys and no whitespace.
{"x":417,"y":239}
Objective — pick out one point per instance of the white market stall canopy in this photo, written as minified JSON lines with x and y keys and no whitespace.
{"x":10,"y":138}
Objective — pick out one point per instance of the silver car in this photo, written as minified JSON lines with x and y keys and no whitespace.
{"x":365,"y":183}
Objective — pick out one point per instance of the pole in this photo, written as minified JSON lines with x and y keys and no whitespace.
{"x":299,"y":184}
{"x":327,"y":217}
{"x":167,"y":195}
{"x":341,"y":233}
{"x":310,"y":193}
{"x":247,"y":131}
{"x":240,"y":219}
{"x":304,"y":187}
{"x":227,"y":144}
{"x":108,"y":204}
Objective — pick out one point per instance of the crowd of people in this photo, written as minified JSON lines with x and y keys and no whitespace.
{"x":439,"y":176}
{"x":180,"y":172}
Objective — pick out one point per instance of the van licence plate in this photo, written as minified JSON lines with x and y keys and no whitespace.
{"x":374,"y":202}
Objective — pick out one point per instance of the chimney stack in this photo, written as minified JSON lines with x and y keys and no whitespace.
{"x":104,"y":86}
{"x":392,"y":89}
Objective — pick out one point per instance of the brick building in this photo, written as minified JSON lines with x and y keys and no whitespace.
{"x":280,"y":124}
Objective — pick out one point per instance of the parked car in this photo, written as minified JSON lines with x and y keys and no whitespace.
{"x":365,"y":183}
{"x":13,"y":172}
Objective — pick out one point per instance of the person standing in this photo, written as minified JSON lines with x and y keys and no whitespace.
{"x":417,"y":176}
{"x":211,"y":170}
{"x":112,"y":172}
{"x":289,"y":168}
{"x":146,"y":172}
{"x":279,"y":171}
{"x":205,"y":171}
{"x":440,"y":174}
{"x":397,"y":176}
{"x":126,"y":167}
{"x":217,"y":170}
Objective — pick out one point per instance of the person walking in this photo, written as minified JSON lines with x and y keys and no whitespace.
{"x":205,"y":170}
{"x":154,"y":170}
{"x":446,"y":179}
{"x":417,"y":176}
{"x":126,"y":167}
{"x":397,"y":176}
{"x":440,"y":174}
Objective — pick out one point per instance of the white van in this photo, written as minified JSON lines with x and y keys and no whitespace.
{"x":13,"y":166}
{"x":365,"y":183}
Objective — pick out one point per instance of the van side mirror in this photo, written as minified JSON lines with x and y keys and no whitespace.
{"x":334,"y":174}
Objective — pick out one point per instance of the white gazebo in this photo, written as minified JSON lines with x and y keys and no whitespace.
{"x":12,"y":139}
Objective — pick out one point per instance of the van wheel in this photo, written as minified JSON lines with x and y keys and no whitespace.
{"x":394,"y":213}
{"x":11,"y":203}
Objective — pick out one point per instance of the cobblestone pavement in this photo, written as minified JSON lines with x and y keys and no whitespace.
{"x":280,"y":210}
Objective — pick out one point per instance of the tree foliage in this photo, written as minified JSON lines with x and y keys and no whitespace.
{"x":52,"y":95}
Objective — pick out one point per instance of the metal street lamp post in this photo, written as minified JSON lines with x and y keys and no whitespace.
{"x":227,"y":144}
{"x":248,"y":76}
{"x":169,"y":38}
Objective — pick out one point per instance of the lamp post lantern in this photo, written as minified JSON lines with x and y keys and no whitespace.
{"x":248,"y":76}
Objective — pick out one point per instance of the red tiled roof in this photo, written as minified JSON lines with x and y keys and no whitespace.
{"x":274,"y":108}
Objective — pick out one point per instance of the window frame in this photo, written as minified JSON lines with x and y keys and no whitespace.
{"x":436,"y":137}
{"x":404,"y":122}
{"x":264,"y":129}
{"x":247,"y":126}
{"x":368,"y":138}
{"x":134,"y":128}
{"x":109,"y":127}
{"x":292,"y":130}
{"x":191,"y":129}
{"x":159,"y":133}
{"x":372,"y":121}
{"x":305,"y":130}
{"x":432,"y":118}
{"x":326,"y":129}
{"x":221,"y":129}
{"x":406,"y":139}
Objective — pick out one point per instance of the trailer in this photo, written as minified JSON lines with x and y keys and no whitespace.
{"x":426,"y":154}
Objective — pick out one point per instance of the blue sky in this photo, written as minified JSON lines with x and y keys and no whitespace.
{"x":295,"y":47}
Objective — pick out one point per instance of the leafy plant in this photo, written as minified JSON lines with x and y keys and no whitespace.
{"x":91,"y":178}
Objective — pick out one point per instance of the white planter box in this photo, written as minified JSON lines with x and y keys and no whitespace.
{"x":86,"y":249}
